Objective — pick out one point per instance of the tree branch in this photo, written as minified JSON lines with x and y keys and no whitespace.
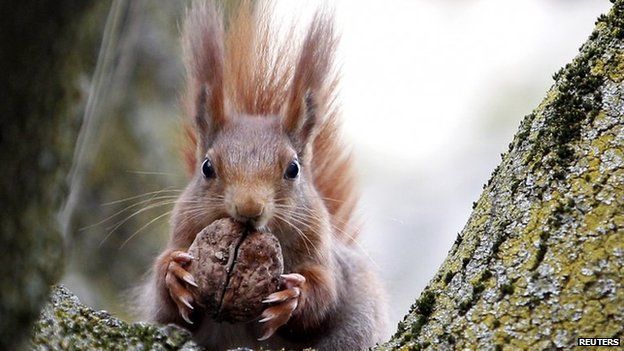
{"x":540,"y":261}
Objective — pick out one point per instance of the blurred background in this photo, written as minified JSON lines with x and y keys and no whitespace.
{"x":432,"y":93}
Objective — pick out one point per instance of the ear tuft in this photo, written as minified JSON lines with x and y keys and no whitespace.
{"x":301,"y":128}
{"x":204,"y":60}
{"x":311,"y":82}
{"x":210,"y":116}
{"x":201,"y":122}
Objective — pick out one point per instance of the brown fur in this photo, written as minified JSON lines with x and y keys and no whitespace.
{"x":264,"y":76}
{"x":257,"y":105}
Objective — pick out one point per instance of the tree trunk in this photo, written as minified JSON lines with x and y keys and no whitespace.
{"x":40,"y":62}
{"x":540,"y":262}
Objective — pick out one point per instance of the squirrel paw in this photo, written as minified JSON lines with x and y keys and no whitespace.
{"x":176,"y":280}
{"x":284,"y":303}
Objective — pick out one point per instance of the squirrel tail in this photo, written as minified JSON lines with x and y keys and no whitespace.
{"x":254,"y":68}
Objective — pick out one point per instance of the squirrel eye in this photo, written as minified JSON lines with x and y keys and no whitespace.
{"x":292,"y":171}
{"x":208,"y":169}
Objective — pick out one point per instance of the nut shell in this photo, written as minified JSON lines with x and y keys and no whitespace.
{"x":235,"y":270}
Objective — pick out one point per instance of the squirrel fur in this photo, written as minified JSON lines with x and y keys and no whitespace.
{"x":264,"y":148}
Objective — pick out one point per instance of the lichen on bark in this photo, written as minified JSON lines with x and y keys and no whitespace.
{"x":541,"y":260}
{"x":67,"y":324}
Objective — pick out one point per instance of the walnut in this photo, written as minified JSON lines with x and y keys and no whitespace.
{"x":235,"y":269}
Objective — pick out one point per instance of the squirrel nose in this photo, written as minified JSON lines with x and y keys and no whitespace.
{"x":249,"y":210}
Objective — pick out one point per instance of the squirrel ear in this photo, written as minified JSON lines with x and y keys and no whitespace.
{"x":300,"y":122}
{"x":210,"y":116}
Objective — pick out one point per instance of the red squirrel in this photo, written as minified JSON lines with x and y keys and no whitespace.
{"x":265,"y":149}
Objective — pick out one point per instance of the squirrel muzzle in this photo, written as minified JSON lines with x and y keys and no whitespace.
{"x":249,"y":206}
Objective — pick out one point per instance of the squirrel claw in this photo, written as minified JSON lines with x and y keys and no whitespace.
{"x":276,"y":316}
{"x":266,"y":319}
{"x":284,"y":302}
{"x":292,"y":280}
{"x":281,"y":296}
{"x":185,"y":316}
{"x":190,"y":280}
{"x":266,"y":335}
{"x":178,"y":281}
{"x":181,"y":257}
{"x":186,"y":302}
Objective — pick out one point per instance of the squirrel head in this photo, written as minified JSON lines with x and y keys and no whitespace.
{"x":259,"y":104}
{"x":254,"y":168}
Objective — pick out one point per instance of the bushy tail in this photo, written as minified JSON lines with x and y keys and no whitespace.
{"x":257,"y":69}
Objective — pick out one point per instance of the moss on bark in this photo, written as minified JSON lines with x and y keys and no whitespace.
{"x":541,"y":260}
{"x":67,"y":324}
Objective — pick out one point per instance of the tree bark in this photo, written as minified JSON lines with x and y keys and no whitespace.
{"x":67,"y":324}
{"x":40,"y":63}
{"x":540,"y":262}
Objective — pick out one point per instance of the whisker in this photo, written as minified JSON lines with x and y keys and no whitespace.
{"x":195,"y":213}
{"x":162,"y":191}
{"x":195,"y":204}
{"x":152,"y":173}
{"x":334,"y":200}
{"x":143,"y":227}
{"x":120,"y":223}
{"x":296,"y":215}
{"x":153,"y":194}
{"x":126,"y":209}
{"x":348,"y":235}
{"x":302,"y":235}
{"x":163,"y":202}
{"x":298,"y":231}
